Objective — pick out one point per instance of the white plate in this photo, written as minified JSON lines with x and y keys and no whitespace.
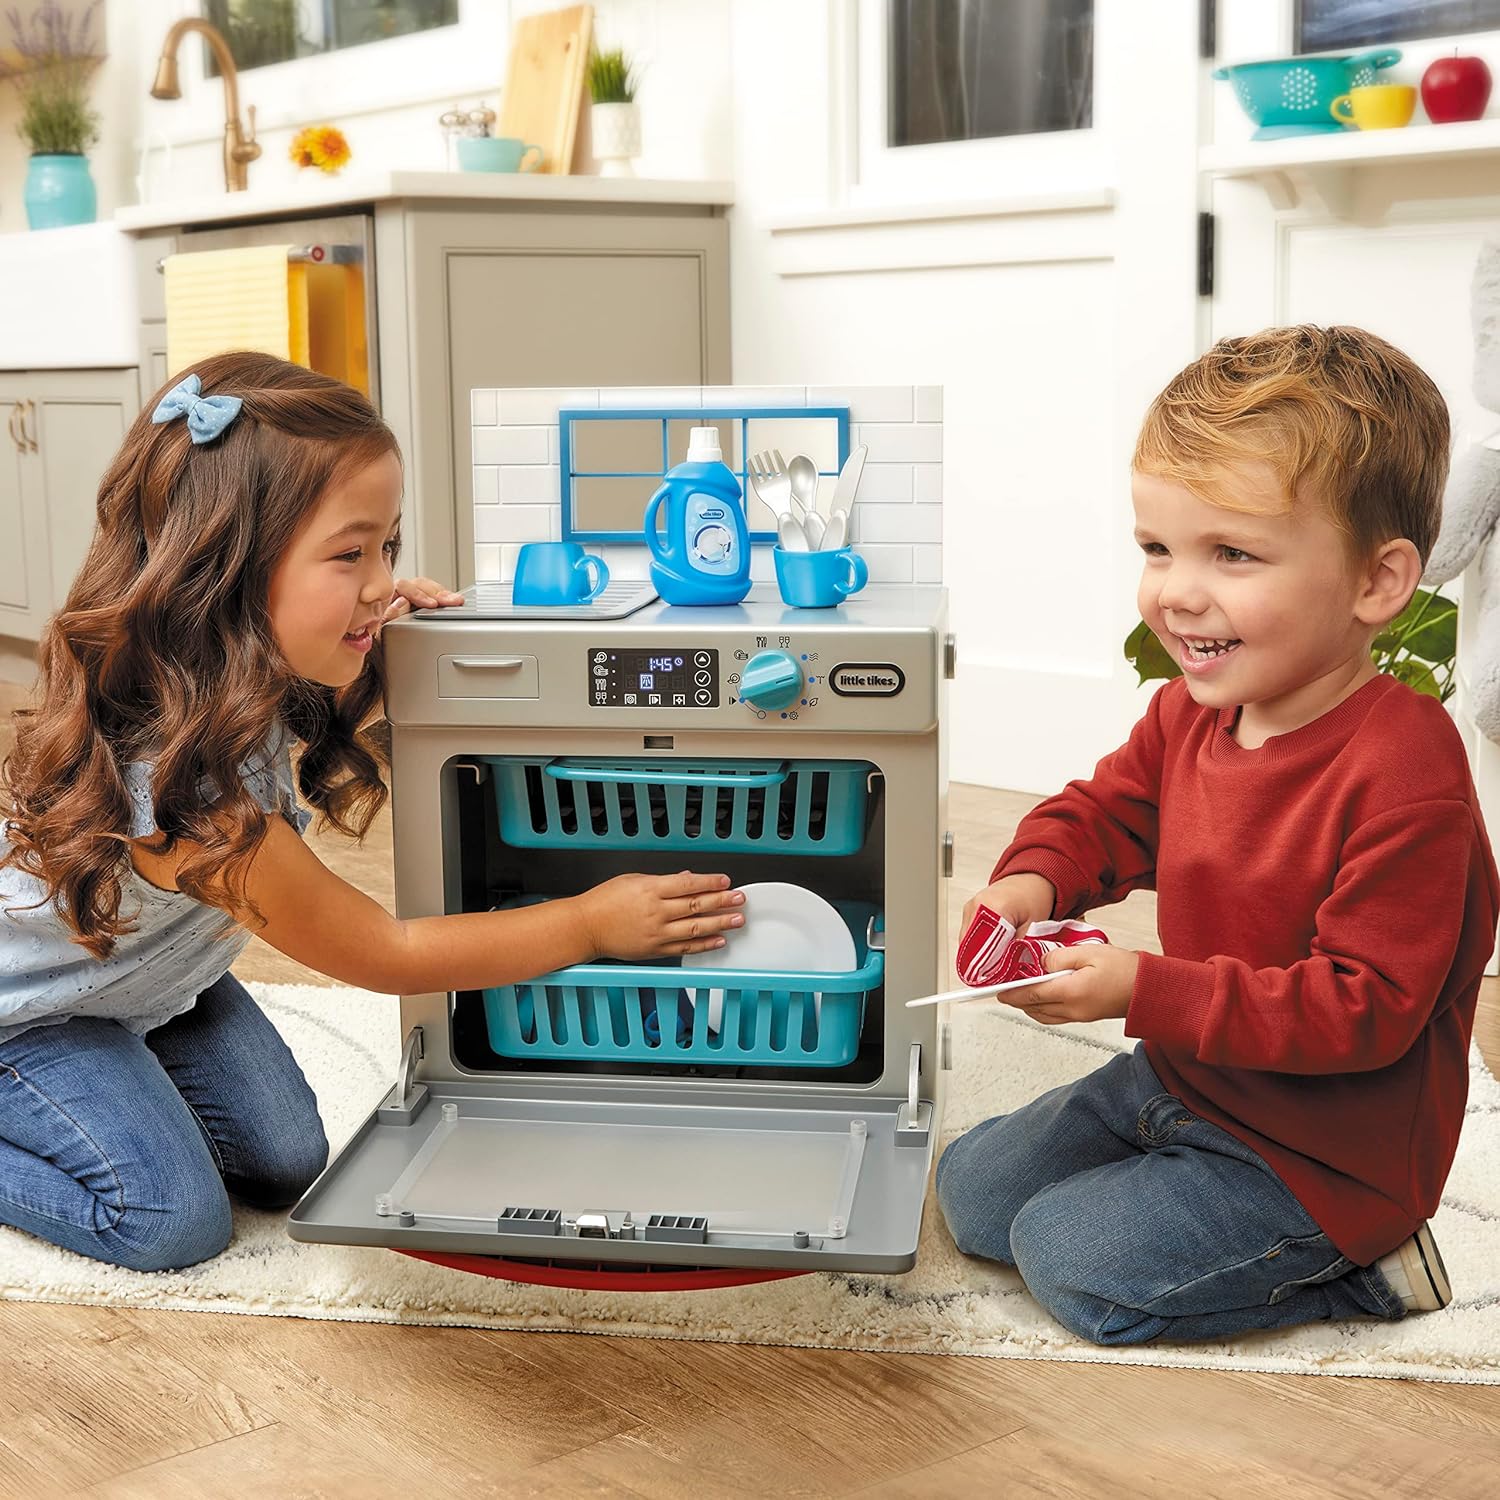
{"x":987,"y":991}
{"x":787,"y":929}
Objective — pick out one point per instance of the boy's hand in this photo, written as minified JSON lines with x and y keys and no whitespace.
{"x":418,"y":593}
{"x":653,"y":916}
{"x":1020,"y":899}
{"x":1100,"y":986}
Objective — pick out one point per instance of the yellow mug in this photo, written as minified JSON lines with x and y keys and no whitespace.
{"x":1376,"y":106}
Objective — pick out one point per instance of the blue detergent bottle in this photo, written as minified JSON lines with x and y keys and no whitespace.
{"x":703,"y":554}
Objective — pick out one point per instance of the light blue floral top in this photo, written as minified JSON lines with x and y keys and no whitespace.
{"x":179,"y":946}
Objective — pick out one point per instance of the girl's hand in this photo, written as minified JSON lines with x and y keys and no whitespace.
{"x":418,"y":593}
{"x":653,"y":916}
{"x":1100,"y":986}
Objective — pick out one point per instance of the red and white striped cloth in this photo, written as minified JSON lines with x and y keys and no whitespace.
{"x":989,"y":952}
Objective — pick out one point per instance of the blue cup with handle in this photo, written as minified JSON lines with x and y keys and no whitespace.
{"x":554,"y":573}
{"x":819,"y":580}
{"x":497,"y":153}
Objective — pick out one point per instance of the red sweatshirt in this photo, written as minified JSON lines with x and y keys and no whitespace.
{"x":1326,"y":906}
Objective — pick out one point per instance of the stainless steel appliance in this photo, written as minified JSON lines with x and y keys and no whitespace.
{"x":653,"y":1115}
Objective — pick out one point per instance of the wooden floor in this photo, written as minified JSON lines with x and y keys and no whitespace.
{"x":166,"y":1405}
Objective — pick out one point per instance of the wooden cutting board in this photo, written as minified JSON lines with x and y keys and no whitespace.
{"x":545,"y":82}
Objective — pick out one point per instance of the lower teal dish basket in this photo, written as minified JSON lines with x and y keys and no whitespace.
{"x":660,"y":1014}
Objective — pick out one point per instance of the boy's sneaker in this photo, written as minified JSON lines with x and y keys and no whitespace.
{"x":1416,"y":1273}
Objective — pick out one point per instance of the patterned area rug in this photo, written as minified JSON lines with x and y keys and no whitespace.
{"x":347,"y":1042}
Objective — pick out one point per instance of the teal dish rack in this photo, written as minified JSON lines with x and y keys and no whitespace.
{"x":728,"y":807}
{"x":661,"y":1014}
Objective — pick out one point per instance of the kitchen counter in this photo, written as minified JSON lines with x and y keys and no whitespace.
{"x":503,"y":189}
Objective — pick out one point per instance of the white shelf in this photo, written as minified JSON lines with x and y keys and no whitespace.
{"x":1320,"y":166}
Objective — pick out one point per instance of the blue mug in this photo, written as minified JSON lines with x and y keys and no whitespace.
{"x":557,"y":573}
{"x":497,"y":153}
{"x":816,"y":580}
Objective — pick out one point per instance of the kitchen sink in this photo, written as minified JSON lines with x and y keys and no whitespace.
{"x":68,"y":299}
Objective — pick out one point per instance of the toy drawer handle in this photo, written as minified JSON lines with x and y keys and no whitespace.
{"x":560,"y":771}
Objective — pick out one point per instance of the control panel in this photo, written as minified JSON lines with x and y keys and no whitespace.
{"x":661,"y":677}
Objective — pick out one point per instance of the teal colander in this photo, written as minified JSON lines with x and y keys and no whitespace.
{"x":1294,"y":95}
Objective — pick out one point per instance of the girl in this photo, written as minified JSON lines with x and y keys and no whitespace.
{"x":229,"y":606}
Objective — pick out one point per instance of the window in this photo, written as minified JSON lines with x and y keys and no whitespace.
{"x":260,"y":32}
{"x":971,"y":69}
{"x":612,"y":462}
{"x":1333,"y":25}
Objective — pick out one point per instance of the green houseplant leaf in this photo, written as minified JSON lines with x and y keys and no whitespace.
{"x":611,"y":79}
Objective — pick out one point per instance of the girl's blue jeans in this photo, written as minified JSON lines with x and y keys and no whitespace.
{"x":125,"y":1148}
{"x":1131,"y":1219}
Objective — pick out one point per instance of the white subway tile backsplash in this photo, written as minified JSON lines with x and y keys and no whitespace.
{"x":524,"y":445}
{"x":898,"y":442}
{"x":633,"y":563}
{"x":885,"y":484}
{"x":617,"y":396}
{"x":539,"y":408}
{"x":530,"y":484}
{"x":754,"y":395}
{"x":513,"y":523}
{"x":899,"y":523}
{"x":887,"y":564}
{"x":866,"y":403}
{"x":486,"y":483}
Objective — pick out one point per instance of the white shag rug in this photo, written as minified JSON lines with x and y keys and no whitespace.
{"x":348,"y":1044}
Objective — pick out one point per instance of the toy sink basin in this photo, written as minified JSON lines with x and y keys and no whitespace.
{"x":1294,"y":95}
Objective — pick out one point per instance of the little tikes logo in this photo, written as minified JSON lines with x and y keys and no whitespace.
{"x":867,"y":679}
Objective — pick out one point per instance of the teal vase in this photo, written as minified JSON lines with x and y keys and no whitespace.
{"x":60,"y":191}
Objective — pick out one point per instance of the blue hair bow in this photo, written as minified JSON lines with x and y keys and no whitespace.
{"x":207,"y":416}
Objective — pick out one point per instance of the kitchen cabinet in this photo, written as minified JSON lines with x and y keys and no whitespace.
{"x":484,"y":280}
{"x":61,"y":429}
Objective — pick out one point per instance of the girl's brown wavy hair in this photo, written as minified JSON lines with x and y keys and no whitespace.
{"x":164,"y":651}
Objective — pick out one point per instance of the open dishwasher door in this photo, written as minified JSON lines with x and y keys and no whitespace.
{"x":660,"y":1114}
{"x":641,"y":1179}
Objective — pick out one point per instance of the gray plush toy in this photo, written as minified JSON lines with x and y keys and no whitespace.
{"x":1471,"y":503}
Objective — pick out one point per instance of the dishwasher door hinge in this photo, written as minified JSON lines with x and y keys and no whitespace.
{"x":407,"y":1100}
{"x":914,"y":1116}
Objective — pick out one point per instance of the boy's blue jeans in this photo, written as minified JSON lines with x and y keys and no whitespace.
{"x":125,"y":1148}
{"x":1130,"y":1218}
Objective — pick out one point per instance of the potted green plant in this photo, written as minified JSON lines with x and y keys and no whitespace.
{"x":57,"y":59}
{"x":1418,"y":647}
{"x":614,"y":120}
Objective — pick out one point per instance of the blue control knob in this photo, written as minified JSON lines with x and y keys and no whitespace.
{"x":771,"y":680}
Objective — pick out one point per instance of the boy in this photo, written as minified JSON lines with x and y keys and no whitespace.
{"x":1327,"y":899}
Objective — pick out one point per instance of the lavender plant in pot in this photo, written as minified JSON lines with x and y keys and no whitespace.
{"x":58,"y":59}
{"x":615,"y":120}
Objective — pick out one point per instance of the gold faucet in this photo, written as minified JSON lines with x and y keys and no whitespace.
{"x":239,"y":150}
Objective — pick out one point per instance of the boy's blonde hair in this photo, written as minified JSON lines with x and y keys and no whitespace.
{"x":1337,"y":414}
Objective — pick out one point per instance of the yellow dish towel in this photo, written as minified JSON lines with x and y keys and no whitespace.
{"x":251,"y":298}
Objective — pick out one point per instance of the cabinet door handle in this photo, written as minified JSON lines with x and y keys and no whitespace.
{"x":36,"y":447}
{"x":10,"y":423}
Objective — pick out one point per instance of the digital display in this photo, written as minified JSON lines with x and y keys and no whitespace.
{"x":681,"y":678}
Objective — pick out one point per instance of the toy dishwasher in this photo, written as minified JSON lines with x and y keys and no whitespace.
{"x":615,"y":1119}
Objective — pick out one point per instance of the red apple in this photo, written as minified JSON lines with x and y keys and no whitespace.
{"x":1455,"y":88}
